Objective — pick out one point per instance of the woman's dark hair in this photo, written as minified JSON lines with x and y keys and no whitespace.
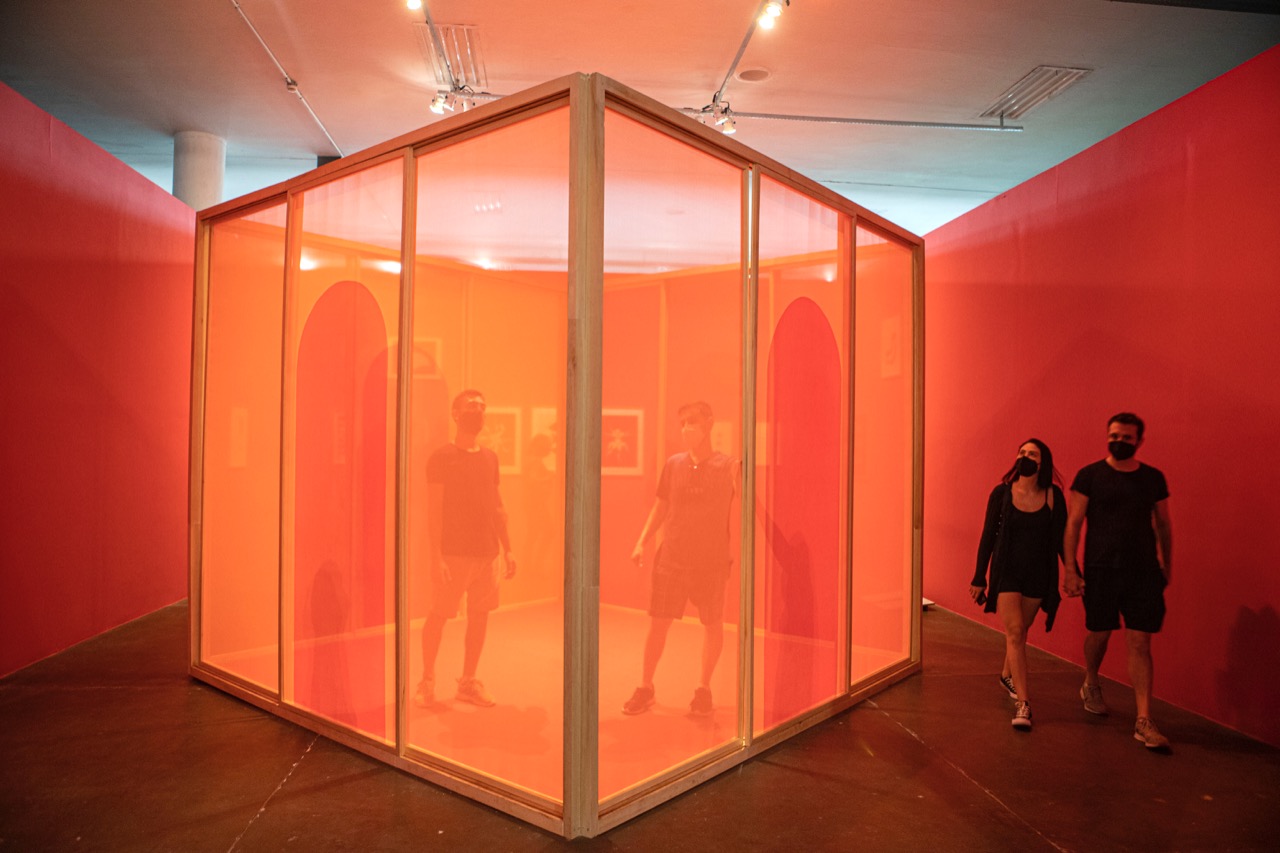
{"x":1047,"y":474}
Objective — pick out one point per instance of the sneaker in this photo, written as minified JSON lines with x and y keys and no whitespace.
{"x":471,"y":690}
{"x":640,"y":701}
{"x":1007,"y":681}
{"x":425,"y":695}
{"x":1091,"y":695}
{"x":1145,"y":730}
{"x":1022,"y":716}
{"x":701,"y":705}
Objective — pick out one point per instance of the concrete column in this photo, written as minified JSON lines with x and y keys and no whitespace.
{"x":199,"y":161}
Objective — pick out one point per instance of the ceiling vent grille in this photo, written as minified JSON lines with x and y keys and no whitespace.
{"x":1043,"y":83}
{"x":462,"y":49}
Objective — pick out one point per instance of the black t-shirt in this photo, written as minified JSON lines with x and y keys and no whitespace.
{"x":471,"y":501}
{"x":699,"y":496}
{"x":1119,"y":533}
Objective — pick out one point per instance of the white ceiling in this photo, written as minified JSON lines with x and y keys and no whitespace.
{"x":129,"y":75}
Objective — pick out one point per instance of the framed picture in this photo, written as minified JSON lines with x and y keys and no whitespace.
{"x":501,"y":434}
{"x":622,"y":437}
{"x":428,"y":355}
{"x":544,"y":436}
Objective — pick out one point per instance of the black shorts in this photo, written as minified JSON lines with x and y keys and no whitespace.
{"x":673,"y":589}
{"x":1137,"y":595}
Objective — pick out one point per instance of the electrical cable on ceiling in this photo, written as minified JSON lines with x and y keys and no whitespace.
{"x":289,"y":82}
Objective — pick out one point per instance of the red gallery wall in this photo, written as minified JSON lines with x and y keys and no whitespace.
{"x":95,"y":352}
{"x":1143,"y":275}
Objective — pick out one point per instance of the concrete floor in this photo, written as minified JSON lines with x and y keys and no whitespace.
{"x":110,"y":746}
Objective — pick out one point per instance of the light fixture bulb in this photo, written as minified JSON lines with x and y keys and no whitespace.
{"x":437,"y":104}
{"x":414,"y":5}
{"x":766,"y":22}
{"x":773,"y":9}
{"x":728,"y":128}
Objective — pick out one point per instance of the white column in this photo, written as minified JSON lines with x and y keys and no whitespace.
{"x":199,"y":161}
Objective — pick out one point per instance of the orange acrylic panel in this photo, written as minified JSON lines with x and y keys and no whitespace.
{"x":802,"y":439}
{"x":490,"y":316}
{"x":672,"y":340}
{"x":339,"y":574}
{"x":883,"y":454}
{"x":240,"y":518}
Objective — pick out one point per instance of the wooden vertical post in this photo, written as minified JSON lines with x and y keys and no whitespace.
{"x":404,"y":385}
{"x":582,"y":457}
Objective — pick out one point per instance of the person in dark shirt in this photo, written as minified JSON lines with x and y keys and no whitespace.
{"x":1020,"y":543}
{"x":1128,"y":562}
{"x":466,"y":525}
{"x":694,"y":500}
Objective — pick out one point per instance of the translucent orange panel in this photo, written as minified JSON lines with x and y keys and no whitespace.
{"x":881,"y":615}
{"x":240,"y":509}
{"x":672,"y":337}
{"x":490,"y":317}
{"x":802,"y":462}
{"x":339,"y":569}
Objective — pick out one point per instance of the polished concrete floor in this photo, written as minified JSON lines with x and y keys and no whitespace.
{"x":110,"y":746}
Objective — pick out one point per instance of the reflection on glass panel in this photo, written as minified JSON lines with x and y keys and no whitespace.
{"x":882,"y":447}
{"x":801,"y":455}
{"x":486,"y":464}
{"x":340,"y":582}
{"x":670,"y":455}
{"x":240,"y":543}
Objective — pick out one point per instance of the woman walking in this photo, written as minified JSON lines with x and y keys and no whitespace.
{"x":1020,"y":546}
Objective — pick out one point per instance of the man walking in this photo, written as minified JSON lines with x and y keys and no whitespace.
{"x":1127,"y":564}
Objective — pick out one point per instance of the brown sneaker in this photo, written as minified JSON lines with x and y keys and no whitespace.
{"x":1022,"y":716}
{"x":701,"y":706}
{"x":1091,"y":695}
{"x":471,"y":690}
{"x":640,"y":701}
{"x":1145,"y":730}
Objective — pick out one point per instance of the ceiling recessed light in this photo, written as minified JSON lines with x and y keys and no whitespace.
{"x":754,"y":75}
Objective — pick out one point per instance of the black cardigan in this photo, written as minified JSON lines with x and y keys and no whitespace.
{"x":999,"y":505}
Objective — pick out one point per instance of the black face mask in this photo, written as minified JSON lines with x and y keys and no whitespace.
{"x":1027,"y":467}
{"x":471,"y":422}
{"x":1121,"y":450}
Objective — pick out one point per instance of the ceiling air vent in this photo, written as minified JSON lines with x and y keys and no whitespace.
{"x":462,"y":50}
{"x":1031,"y":91}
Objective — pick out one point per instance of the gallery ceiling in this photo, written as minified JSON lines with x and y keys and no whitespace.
{"x":130,"y":75}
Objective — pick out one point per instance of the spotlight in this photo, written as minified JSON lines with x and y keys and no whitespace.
{"x":414,"y":5}
{"x":770,"y":13}
{"x":728,"y":128}
{"x":437,"y":104}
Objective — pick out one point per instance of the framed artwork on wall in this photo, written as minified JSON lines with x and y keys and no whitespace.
{"x":501,"y":434}
{"x":428,"y":357}
{"x":622,"y":439}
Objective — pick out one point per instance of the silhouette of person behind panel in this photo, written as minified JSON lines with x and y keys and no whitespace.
{"x":467,"y":526}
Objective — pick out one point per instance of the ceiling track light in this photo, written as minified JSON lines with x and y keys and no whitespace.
{"x":457,"y":100}
{"x":717,"y":114}
{"x":770,"y":12}
{"x":702,"y":114}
